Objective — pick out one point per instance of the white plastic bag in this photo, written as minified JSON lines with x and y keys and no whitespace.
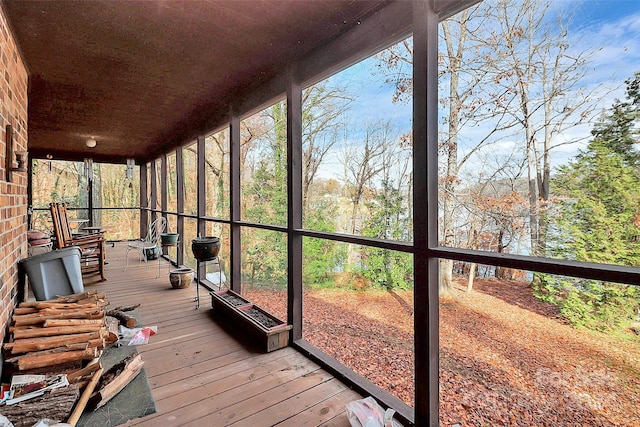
{"x":368,"y":413}
{"x":136,"y":336}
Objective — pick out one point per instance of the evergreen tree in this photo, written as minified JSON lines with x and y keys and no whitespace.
{"x":388,"y":220}
{"x":321,"y":257}
{"x":598,"y":220}
{"x":265,"y":251}
{"x":619,"y":128}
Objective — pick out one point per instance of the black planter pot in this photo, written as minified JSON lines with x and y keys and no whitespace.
{"x":205,"y":248}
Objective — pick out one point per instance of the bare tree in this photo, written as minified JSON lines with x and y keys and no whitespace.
{"x":323,"y":108}
{"x":461,"y":79}
{"x":363,"y":161}
{"x":543,"y":77}
{"x":506,"y":73}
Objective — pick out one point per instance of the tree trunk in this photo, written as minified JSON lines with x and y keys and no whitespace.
{"x":533,"y":200}
{"x":451,"y":148}
{"x":500,"y":271}
{"x":472,"y":276}
{"x":446,"y":278}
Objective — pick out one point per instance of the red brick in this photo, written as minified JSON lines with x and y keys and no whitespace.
{"x":13,"y":195}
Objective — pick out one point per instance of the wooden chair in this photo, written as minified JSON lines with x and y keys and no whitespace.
{"x":92,"y":246}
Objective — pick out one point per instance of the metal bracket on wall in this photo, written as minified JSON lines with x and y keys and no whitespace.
{"x":21,"y":156}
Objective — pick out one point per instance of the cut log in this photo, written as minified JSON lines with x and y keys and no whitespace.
{"x":125,"y":318}
{"x":81,"y":298}
{"x":62,"y":349}
{"x":50,"y":323}
{"x":24,"y":310}
{"x":43,"y":343}
{"x":30,"y":362}
{"x":87,"y":370}
{"x":55,"y":330}
{"x":98,"y":299}
{"x":113,"y":326}
{"x":58,"y":322}
{"x":56,"y":405}
{"x":123,"y":308}
{"x":82,"y":403}
{"x":115,"y":379}
{"x":87,"y":295}
{"x":55,"y":311}
{"x":13,"y":328}
{"x":63,"y":299}
{"x":38,"y":318}
{"x":99,"y":343}
{"x":40,"y":305}
{"x":102,"y":303}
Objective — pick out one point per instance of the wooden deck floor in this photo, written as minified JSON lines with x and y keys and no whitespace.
{"x":200,"y":375}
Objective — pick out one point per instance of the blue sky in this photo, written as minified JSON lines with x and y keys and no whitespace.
{"x":610,"y":28}
{"x":614,"y":27}
{"x":596,"y":12}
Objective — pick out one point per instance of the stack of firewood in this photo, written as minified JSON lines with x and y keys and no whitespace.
{"x":59,"y":331}
{"x":59,"y":336}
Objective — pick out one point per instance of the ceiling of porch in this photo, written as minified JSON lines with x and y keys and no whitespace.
{"x":141,"y":77}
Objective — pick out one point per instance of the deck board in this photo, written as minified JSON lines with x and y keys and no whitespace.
{"x":200,"y":374}
{"x":325,"y":410}
{"x":292,"y":403}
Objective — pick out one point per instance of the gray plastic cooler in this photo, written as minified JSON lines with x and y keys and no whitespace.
{"x":54,"y":273}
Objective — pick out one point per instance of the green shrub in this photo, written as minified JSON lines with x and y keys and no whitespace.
{"x":602,"y":306}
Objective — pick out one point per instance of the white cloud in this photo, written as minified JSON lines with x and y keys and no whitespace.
{"x":609,"y":29}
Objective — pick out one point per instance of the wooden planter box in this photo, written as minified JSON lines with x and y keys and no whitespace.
{"x":229,"y":298}
{"x":264,"y":329}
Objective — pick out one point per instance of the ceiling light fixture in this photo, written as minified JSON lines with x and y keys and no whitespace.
{"x":91,"y":142}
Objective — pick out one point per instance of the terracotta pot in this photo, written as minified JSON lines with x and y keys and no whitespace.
{"x":181,"y":278}
{"x":205,"y":248}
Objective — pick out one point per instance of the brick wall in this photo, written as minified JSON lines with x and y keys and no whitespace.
{"x":13,"y":195}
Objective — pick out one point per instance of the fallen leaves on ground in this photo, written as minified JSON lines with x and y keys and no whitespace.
{"x":506,"y":359}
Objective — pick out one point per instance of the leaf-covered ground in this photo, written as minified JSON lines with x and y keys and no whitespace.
{"x":506,"y":359}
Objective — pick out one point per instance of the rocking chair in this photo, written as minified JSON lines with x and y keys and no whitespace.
{"x":92,"y":247}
